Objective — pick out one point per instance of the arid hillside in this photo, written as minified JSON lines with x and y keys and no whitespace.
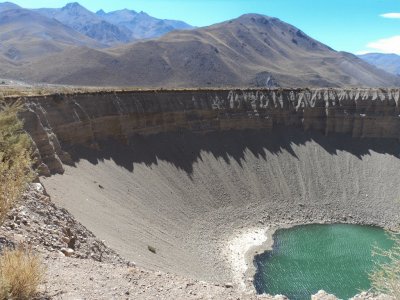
{"x":26,"y":35}
{"x":387,"y":62}
{"x":253,"y":50}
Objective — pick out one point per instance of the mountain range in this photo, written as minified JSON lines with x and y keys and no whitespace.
{"x":26,"y":35}
{"x":141,"y":25}
{"x":112,"y":28}
{"x":72,"y":45}
{"x":388,"y":62}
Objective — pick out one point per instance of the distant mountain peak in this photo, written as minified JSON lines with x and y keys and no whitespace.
{"x":100,"y":12}
{"x":256,"y":17}
{"x":389,"y":62}
{"x":72,"y":4}
{"x":141,"y":25}
{"x":8,"y":6}
{"x":109,"y":28}
{"x":377,"y":54}
{"x":8,"y":3}
{"x":125,"y":11}
{"x":73,"y":7}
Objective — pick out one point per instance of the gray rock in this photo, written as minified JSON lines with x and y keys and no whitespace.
{"x":67,"y":251}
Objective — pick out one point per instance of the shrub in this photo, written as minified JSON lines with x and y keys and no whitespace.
{"x":151,"y":249}
{"x":21,"y":272}
{"x":385,"y":278}
{"x":15,"y":159}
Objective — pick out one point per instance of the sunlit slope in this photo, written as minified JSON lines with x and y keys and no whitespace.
{"x":252,"y":50}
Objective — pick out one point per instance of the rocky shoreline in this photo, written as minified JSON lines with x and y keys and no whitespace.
{"x":266,"y":245}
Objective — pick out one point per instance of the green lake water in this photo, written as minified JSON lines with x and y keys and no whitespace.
{"x":305,"y":259}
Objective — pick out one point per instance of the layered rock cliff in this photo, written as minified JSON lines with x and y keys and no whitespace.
{"x":62,"y":122}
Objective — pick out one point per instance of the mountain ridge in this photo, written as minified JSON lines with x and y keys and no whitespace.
{"x":252,"y":50}
{"x":107,"y":28}
{"x":141,"y":24}
{"x":85,"y":22}
{"x":387,"y":62}
{"x":8,"y":5}
{"x":25,"y":35}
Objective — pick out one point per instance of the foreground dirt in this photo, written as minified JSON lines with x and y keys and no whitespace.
{"x":69,"y":278}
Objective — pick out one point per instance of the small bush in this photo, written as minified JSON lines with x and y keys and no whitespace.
{"x":15,"y":159}
{"x":151,"y":249}
{"x":385,"y":278}
{"x":21,"y":272}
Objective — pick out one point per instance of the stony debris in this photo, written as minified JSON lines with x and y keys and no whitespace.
{"x":280,"y":297}
{"x":67,"y":251}
{"x":371,"y":296}
{"x":322,"y":295}
{"x":38,"y":222}
{"x":71,"y":278}
{"x":229,"y":285}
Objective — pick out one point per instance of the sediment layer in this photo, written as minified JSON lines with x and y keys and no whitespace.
{"x":183,"y":171}
{"x":86,"y":119}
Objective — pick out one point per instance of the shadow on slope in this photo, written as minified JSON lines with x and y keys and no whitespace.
{"x":183,"y":148}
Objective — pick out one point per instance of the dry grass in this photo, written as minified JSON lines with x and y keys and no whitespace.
{"x":21,"y":272}
{"x":15,"y":159}
{"x":385,"y":278}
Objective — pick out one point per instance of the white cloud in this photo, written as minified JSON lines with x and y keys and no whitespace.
{"x":391,"y":16}
{"x":363,"y":52}
{"x":388,"y":45}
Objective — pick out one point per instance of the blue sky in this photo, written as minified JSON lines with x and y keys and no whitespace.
{"x":348,"y":25}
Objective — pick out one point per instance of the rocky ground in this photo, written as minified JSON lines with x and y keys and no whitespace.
{"x":79,"y":266}
{"x":38,"y":222}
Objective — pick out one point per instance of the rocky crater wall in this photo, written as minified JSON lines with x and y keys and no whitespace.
{"x":185,"y":171}
{"x":59,"y":122}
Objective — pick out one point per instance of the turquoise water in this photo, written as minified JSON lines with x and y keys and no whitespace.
{"x":305,"y":259}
